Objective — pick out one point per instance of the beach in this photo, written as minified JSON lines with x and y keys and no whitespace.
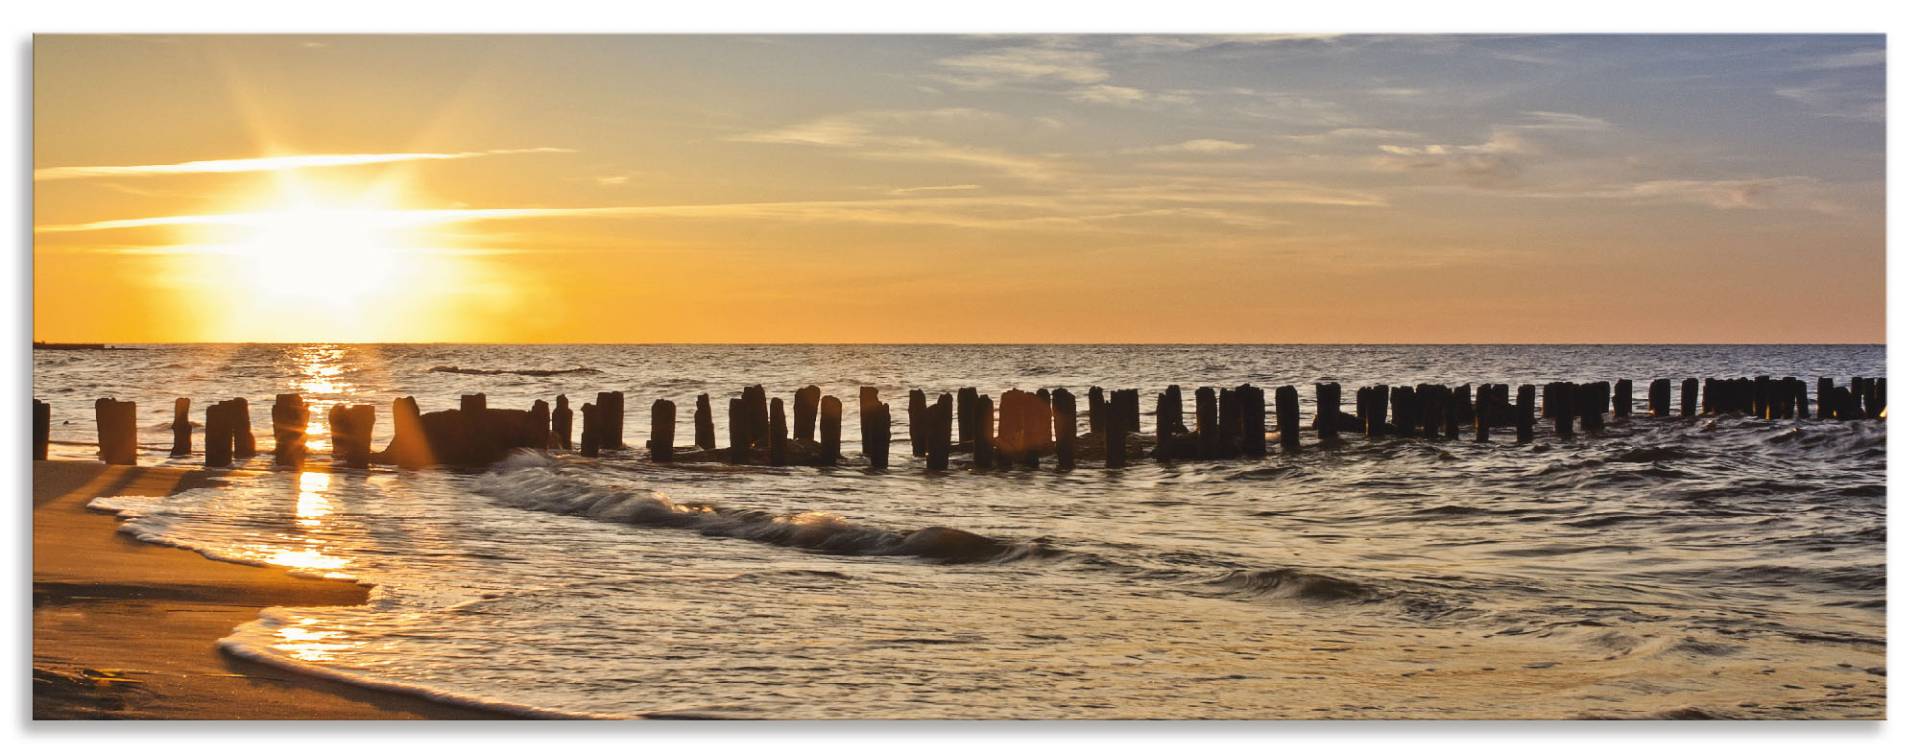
{"x":126,"y":630}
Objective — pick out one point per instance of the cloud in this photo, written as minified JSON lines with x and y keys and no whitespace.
{"x":1873,"y":57}
{"x":988,"y":68}
{"x":878,"y":135}
{"x":933,"y":189}
{"x":1788,"y":192}
{"x":268,"y":164}
{"x":1193,"y":146}
{"x":1350,"y":134}
{"x":1562,"y":121}
{"x":1500,"y":157}
{"x":1839,"y":101}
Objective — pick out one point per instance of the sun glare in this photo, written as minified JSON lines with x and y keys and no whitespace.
{"x":322,"y":262}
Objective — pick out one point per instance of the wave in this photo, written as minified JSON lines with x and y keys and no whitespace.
{"x":532,"y":485}
{"x":516,"y":372}
{"x":240,"y":645}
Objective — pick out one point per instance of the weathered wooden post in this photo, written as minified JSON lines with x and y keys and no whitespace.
{"x":703,"y":422}
{"x":1164,"y":417}
{"x":776,"y":433}
{"x":613,"y":420}
{"x":1561,"y":410}
{"x":1449,"y":412}
{"x":1376,"y":414}
{"x":983,"y":448}
{"x":115,"y":423}
{"x":219,"y":435}
{"x":42,"y":428}
{"x":829,"y":430}
{"x":1116,"y":436}
{"x":1008,"y":444}
{"x":965,"y":402}
{"x":1253,"y":417}
{"x":806,"y":407}
{"x":1286,"y":411}
{"x":1179,"y":406}
{"x":1622,"y":398}
{"x":182,"y":427}
{"x":1401,"y":400}
{"x":590,"y":431}
{"x":538,"y":422}
{"x":409,"y":447}
{"x":1206,"y":419}
{"x":1097,"y":410}
{"x":1523,"y":415}
{"x":1482,"y":412}
{"x":351,"y":433}
{"x":755,"y":421}
{"x":882,"y":435}
{"x":739,"y":431}
{"x":1230,"y":423}
{"x":916,"y":417}
{"x":1593,"y":418}
{"x":1065,"y":428}
{"x":1689,"y":393}
{"x":660,"y":441}
{"x":1326,"y":410}
{"x":1660,"y":397}
{"x":1800,"y":399}
{"x":562,"y":422}
{"x":1129,"y":410}
{"x":938,"y":432}
{"x":475,"y":403}
{"x":1036,"y":426}
{"x":290,"y":418}
{"x":243,"y":446}
{"x":1823,"y":393}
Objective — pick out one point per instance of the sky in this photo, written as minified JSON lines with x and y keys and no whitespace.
{"x":764,"y":189}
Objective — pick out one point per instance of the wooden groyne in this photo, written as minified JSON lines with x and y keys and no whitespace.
{"x":1020,"y":430}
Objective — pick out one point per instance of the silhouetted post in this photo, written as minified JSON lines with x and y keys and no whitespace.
{"x":1401,"y":400}
{"x":1253,"y":417}
{"x":1800,"y":399}
{"x":1880,"y":398}
{"x":1286,"y":412}
{"x":182,"y":427}
{"x":983,"y":447}
{"x":562,"y":422}
{"x":1823,"y":393}
{"x":1036,"y":426}
{"x":1065,"y":429}
{"x":829,"y":430}
{"x":916,"y":417}
{"x":351,"y":430}
{"x":1008,"y":446}
{"x":1164,"y":417}
{"x":1376,"y":411}
{"x":409,"y":446}
{"x":1116,"y":436}
{"x":590,"y":431}
{"x":539,"y":436}
{"x":42,"y":428}
{"x":1450,"y":411}
{"x":1523,"y":416}
{"x":1660,"y":397}
{"x":613,"y":420}
{"x":1622,"y":398}
{"x":475,"y":403}
{"x":1689,"y":392}
{"x":1179,"y":406}
{"x":1230,"y":423}
{"x":882,"y":435}
{"x":703,"y":422}
{"x":219,"y":435}
{"x":875,"y":429}
{"x":739,"y":431}
{"x":1206,"y":419}
{"x":1326,"y":410}
{"x":776,"y":433}
{"x":660,"y":442}
{"x":290,"y":418}
{"x":242,"y":429}
{"x":1594,"y":407}
{"x":938,"y":432}
{"x":806,"y":407}
{"x":1482,"y":412}
{"x":1097,"y":410}
{"x":966,"y":400}
{"x":114,"y":421}
{"x":1129,"y":410}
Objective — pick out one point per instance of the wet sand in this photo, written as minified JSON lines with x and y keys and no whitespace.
{"x":126,"y":630}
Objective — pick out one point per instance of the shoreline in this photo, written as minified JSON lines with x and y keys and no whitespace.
{"x":94,"y":588}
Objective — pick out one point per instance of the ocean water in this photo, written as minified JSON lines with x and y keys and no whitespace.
{"x":1724,"y":567}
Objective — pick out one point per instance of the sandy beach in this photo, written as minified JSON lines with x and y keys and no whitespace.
{"x":126,"y":630}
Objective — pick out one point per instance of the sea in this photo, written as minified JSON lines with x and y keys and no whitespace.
{"x":1713,"y":567}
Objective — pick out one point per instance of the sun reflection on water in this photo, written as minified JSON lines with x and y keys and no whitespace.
{"x":310,"y":644}
{"x":312,"y":506}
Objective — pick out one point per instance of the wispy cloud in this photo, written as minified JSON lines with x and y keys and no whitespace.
{"x":1840,"y":101}
{"x":1193,"y":146}
{"x":268,"y":164}
{"x":1865,"y":58}
{"x":1027,"y":63}
{"x":1562,"y":121}
{"x":884,"y":135}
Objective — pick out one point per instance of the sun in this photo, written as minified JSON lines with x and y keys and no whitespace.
{"x":319,"y":262}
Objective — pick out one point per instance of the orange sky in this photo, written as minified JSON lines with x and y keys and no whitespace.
{"x":960,"y":189}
